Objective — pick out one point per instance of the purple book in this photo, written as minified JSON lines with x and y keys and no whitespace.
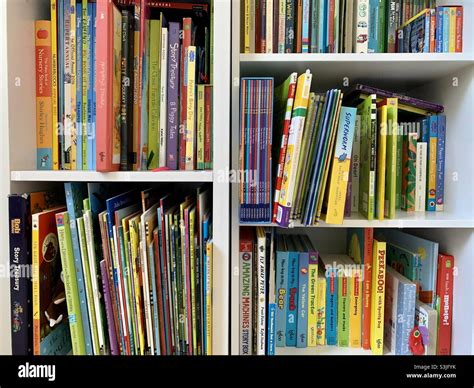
{"x":174,"y":52}
{"x":108,"y":309}
{"x":348,"y":205}
{"x":402,"y":100}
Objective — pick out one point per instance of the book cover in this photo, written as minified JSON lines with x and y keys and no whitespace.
{"x":174,"y":75}
{"x":409,"y":171}
{"x":444,"y":291}
{"x":292,"y":294}
{"x":440,"y":162}
{"x":378,"y":298}
{"x":44,"y":113}
{"x":426,"y":321}
{"x":341,"y":166}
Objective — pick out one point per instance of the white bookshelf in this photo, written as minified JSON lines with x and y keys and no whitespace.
{"x":18,"y":149}
{"x":447,"y":79}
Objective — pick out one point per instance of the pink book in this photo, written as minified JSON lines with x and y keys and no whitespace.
{"x":188,"y":282}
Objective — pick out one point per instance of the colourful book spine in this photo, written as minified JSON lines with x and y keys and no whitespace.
{"x":290,"y":26}
{"x":355,"y":167}
{"x":420,"y":188}
{"x":381,"y":162}
{"x":173,"y":95}
{"x":108,"y":309}
{"x":91,"y":89}
{"x":378,"y":298}
{"x":409,"y":171}
{"x":321,"y":310}
{"x":137,"y":71}
{"x":79,"y":82}
{"x":355,"y":309}
{"x":446,"y":29}
{"x":246,"y":23}
{"x":361,"y":29}
{"x":245,"y":270}
{"x":459,"y":29}
{"x":187,"y":32}
{"x":73,"y":85}
{"x":432,"y":30}
{"x":154,"y":94}
{"x":35,"y":261}
{"x":282,"y":267}
{"x":208,"y":297}
{"x":44,"y":117}
{"x":261,"y":291}
{"x":392,"y":24}
{"x":305,"y":27}
{"x":144,"y":96}
{"x":191,"y":102}
{"x":452,"y":29}
{"x":70,"y":284}
{"x":293,"y":148}
{"x":439,"y":29}
{"x":373,"y":44}
{"x":281,"y":25}
{"x":444,"y":292}
{"x":331,"y":307}
{"x":163,"y":134}
{"x":391,"y":160}
{"x":431,"y":163}
{"x":86,"y":66}
{"x":343,"y":305}
{"x":54,"y":85}
{"x":440,"y":162}
{"x":302,"y":320}
{"x":312,"y":299}
{"x":60,"y":14}
{"x":200,"y":125}
{"x":108,"y":89}
{"x":269,"y":26}
{"x":341,"y":166}
{"x":292,"y":299}
{"x":208,"y":135}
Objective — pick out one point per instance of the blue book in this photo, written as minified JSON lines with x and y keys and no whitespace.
{"x":75,"y":195}
{"x":79,"y":80}
{"x":446,"y":29}
{"x":373,"y":43}
{"x":302,"y":325}
{"x":60,"y":41}
{"x":331,"y":299}
{"x":322,"y":26}
{"x":425,"y":131}
{"x":292,"y":297}
{"x":282,"y":260}
{"x":271,"y":329}
{"x":439,"y":29}
{"x":58,"y":342}
{"x":431,"y":170}
{"x":93,"y":91}
{"x":305,"y":27}
{"x":440,"y":162}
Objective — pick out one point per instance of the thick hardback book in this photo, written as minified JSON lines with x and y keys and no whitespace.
{"x":245,"y":270}
{"x":378,"y":298}
{"x":444,"y":292}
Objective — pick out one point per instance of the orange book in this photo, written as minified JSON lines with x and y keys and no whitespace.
{"x":44,"y":109}
{"x":299,"y":26}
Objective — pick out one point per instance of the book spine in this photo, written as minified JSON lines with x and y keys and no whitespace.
{"x":246,"y":287}
{"x":208,"y":297}
{"x":312,"y":299}
{"x":392,"y":26}
{"x":298,"y":25}
{"x":322,"y":27}
{"x":137,"y":81}
{"x":459,"y":29}
{"x":373,"y":44}
{"x":355,"y":172}
{"x":269,"y":26}
{"x":79,"y":82}
{"x":261,"y":291}
{"x":305,"y":39}
{"x":44,"y":119}
{"x":302,"y":320}
{"x":61,"y":108}
{"x":154,"y":100}
{"x":367,"y":287}
{"x":208,"y":123}
{"x":200,"y":126}
{"x":393,"y":137}
{"x":331,"y":307}
{"x":86,"y":61}
{"x":452,"y":29}
{"x":330,"y":26}
{"x":191,"y":102}
{"x":292,"y":299}
{"x":406,"y":309}
{"x":314,"y":26}
{"x":431,"y":164}
{"x":187,"y":27}
{"x":420,"y":189}
{"x":355,"y":310}
{"x":73,"y":85}
{"x":409,"y":171}
{"x":439,"y":29}
{"x":282,"y":268}
{"x":75,"y":317}
{"x":91,"y":88}
{"x":321,"y":311}
{"x":281,"y":25}
{"x":35,"y":261}
{"x":290,"y":26}
{"x":432,"y":31}
{"x":446,"y":29}
{"x":163,"y":105}
{"x":378,"y":298}
{"x":173,"y":95}
{"x":114,"y":351}
{"x":144,"y":94}
{"x":445,"y":295}
{"x":382,"y":27}
{"x":361,"y":30}
{"x":343,"y":300}
{"x":55,"y":87}
{"x":246,"y":23}
{"x":20,"y":286}
{"x":440,"y":162}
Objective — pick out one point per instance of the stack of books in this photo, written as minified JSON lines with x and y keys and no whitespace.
{"x":124,"y":85}
{"x":350,"y":26}
{"x":113,"y":273}
{"x":371,"y":152}
{"x":382,"y":295}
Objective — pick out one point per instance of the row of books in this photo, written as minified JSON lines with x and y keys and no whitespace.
{"x":349,"y":26}
{"x":308,"y":157}
{"x":390,"y":292}
{"x":112,"y":272}
{"x":124,"y":85}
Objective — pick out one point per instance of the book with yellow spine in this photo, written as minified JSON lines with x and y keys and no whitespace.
{"x":247,"y":21}
{"x":154,"y":94}
{"x":321,"y":308}
{"x":381,"y":161}
{"x":391,"y":161}
{"x":378,"y":297}
{"x":54,"y":82}
{"x":290,"y":170}
{"x":200,"y":126}
{"x":208,"y":320}
{"x":452,"y":29}
{"x":355,"y":317}
{"x":191,"y":101}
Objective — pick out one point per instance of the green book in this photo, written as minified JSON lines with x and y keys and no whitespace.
{"x":154,"y":95}
{"x":88,"y":283}
{"x":382,"y":27}
{"x":368,"y":150}
{"x":398,"y":192}
{"x":70,"y":285}
{"x":392,"y":165}
{"x":343,"y":313}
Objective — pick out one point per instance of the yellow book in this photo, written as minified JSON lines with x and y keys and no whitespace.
{"x":36,"y":288}
{"x":381,"y":161}
{"x":54,"y":82}
{"x":378,"y":297}
{"x":209,"y":252}
{"x":247,"y":18}
{"x":355,"y":317}
{"x":154,"y":99}
{"x":134,"y":244}
{"x":452,"y":29}
{"x":392,"y":151}
{"x":191,"y":102}
{"x":312,"y":299}
{"x":73,"y":55}
{"x":200,"y":126}
{"x":321,"y":309}
{"x":341,"y":165}
{"x":293,"y":148}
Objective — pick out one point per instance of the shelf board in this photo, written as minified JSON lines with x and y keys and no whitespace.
{"x":402,"y":220}
{"x":325,"y":351}
{"x":121,"y":176}
{"x":400,"y":71}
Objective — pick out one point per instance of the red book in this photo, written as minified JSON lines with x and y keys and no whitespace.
{"x":444,"y":291}
{"x":367,"y":291}
{"x":208,"y":162}
{"x":108,"y":131}
{"x":284,"y":143}
{"x":187,"y":36}
{"x":459,"y":27}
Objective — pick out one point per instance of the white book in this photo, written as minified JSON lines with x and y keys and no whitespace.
{"x":281,"y":25}
{"x":348,"y":27}
{"x":420,"y":187}
{"x":252,"y":26}
{"x":269,"y":27}
{"x":355,"y":167}
{"x":361,"y":26}
{"x":163,"y":97}
{"x":261,"y":292}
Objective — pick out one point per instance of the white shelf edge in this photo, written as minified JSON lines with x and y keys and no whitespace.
{"x":120,"y":176}
{"x":392,"y":57}
{"x":327,"y":350}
